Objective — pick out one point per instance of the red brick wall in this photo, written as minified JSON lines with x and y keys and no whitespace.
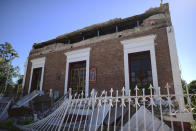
{"x":107,"y":57}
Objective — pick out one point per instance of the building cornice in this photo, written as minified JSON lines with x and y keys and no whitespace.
{"x":79,"y":51}
{"x":142,"y":39}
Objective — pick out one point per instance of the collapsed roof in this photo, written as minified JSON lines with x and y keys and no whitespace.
{"x":111,"y":26}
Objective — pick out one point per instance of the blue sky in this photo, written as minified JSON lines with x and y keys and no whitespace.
{"x":24,"y":22}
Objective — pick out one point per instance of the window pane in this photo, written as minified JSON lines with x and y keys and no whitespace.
{"x":77,"y":77}
{"x":140,"y":69}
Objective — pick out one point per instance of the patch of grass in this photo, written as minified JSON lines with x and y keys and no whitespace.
{"x":8,"y":125}
{"x":26,"y":122}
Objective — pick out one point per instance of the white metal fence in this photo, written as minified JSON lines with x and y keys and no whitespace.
{"x":111,"y":111}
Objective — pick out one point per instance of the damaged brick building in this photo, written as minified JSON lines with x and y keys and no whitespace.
{"x":138,"y":50}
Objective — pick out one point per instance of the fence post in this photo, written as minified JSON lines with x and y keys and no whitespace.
{"x":115,"y":110}
{"x":136,"y":103}
{"x":110,"y":105}
{"x":152,"y":104}
{"x":144,"y":103}
{"x":169,"y":103}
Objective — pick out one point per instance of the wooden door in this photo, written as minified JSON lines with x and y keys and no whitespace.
{"x":36,"y":79}
{"x":77,"y":77}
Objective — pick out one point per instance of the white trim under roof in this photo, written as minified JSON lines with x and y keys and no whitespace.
{"x":37,"y":63}
{"x":140,"y":44}
{"x":75,"y":56}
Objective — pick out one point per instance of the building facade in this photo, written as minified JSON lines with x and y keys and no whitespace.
{"x":138,"y":50}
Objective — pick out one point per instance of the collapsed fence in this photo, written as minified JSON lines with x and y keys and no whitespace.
{"x":113,"y":111}
{"x":52,"y":108}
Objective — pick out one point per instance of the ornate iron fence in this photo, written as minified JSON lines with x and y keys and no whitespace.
{"x":113,"y":111}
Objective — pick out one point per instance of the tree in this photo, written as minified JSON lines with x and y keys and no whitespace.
{"x":192,"y":90}
{"x":184,"y":84}
{"x":18,"y":86}
{"x":7,"y":70}
{"x":192,"y":87}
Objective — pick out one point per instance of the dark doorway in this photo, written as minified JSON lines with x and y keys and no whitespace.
{"x":77,"y":76}
{"x":140,"y":71}
{"x":36,"y":79}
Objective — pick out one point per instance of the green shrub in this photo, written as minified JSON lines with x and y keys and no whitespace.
{"x":26,"y":122}
{"x":193,"y":128}
{"x":8,"y":125}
